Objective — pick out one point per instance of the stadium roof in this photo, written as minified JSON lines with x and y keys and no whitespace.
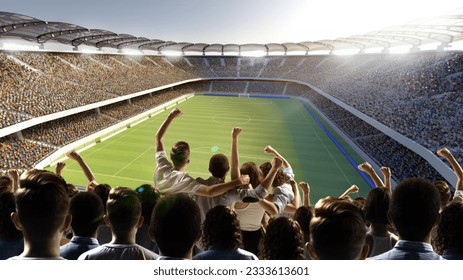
{"x":439,"y":32}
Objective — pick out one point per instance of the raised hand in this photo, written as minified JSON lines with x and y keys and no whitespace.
{"x":14,"y":174}
{"x":59,"y":167}
{"x":269,"y":150}
{"x":457,"y":168}
{"x":73,"y":155}
{"x":365,"y":167}
{"x":386,"y":171}
{"x":387,"y":177}
{"x":304,"y":187}
{"x":236,"y":131}
{"x":276,"y":162}
{"x":175,"y":113}
{"x":368,"y":169}
{"x":353,"y":189}
{"x":305,"y":193}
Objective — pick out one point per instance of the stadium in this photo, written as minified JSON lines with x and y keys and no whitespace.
{"x":391,"y":98}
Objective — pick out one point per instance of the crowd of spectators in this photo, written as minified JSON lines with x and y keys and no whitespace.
{"x":154,"y":99}
{"x":228,"y":86}
{"x":69,"y":129}
{"x":30,"y":92}
{"x":196,"y":65}
{"x":121,"y":110}
{"x":45,"y":138}
{"x":36,"y":84}
{"x":21,"y":154}
{"x":249,"y":87}
{"x":277,"y":88}
{"x":250,"y":67}
{"x":8,"y":118}
{"x":384,"y":86}
{"x":418,"y":95}
{"x":393,"y":154}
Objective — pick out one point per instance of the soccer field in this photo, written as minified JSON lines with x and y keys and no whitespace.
{"x":127,"y":159}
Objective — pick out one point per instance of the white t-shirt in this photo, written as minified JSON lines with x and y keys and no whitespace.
{"x":228,"y":198}
{"x":169,"y":181}
{"x":250,"y":217}
{"x":284,"y":194}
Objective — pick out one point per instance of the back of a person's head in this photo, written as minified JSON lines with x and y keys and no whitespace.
{"x":102,"y":190}
{"x":148,"y":196}
{"x":265,"y":167}
{"x":123,"y":209}
{"x":280,"y":178}
{"x":221,"y":229}
{"x":449,"y":230}
{"x":42,"y":203}
{"x":414,"y":208}
{"x":7,"y":229}
{"x":87,"y":213}
{"x":253,"y":171}
{"x":360,"y":202}
{"x":337,"y":230}
{"x":444,"y":192}
{"x":180,"y":154}
{"x":219,"y":165}
{"x":377,"y":206}
{"x":283,"y":240}
{"x":175,"y":225}
{"x":303,"y":216}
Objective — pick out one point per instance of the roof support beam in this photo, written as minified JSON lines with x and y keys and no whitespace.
{"x":51,"y":35}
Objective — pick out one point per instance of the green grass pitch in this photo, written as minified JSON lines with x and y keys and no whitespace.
{"x":127,"y":159}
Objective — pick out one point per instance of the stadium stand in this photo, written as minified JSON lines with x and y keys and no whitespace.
{"x":384,"y":87}
{"x":418,"y":95}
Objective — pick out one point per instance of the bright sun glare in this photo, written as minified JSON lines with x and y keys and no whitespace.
{"x":356,"y":17}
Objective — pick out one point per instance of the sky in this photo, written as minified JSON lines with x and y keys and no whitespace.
{"x":233,"y":21}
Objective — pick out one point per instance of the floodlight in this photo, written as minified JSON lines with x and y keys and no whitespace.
{"x":20,"y":47}
{"x":131,"y":52}
{"x":213,"y":53}
{"x":226,"y":53}
{"x":319,"y":52}
{"x":400,"y":49}
{"x":256,"y":53}
{"x":89,"y":51}
{"x":194,"y":53}
{"x":276,"y":53}
{"x":455,"y":46}
{"x":172,"y":53}
{"x":374,"y":50}
{"x":346,"y":52}
{"x":430,"y":46}
{"x":296,"y":53}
